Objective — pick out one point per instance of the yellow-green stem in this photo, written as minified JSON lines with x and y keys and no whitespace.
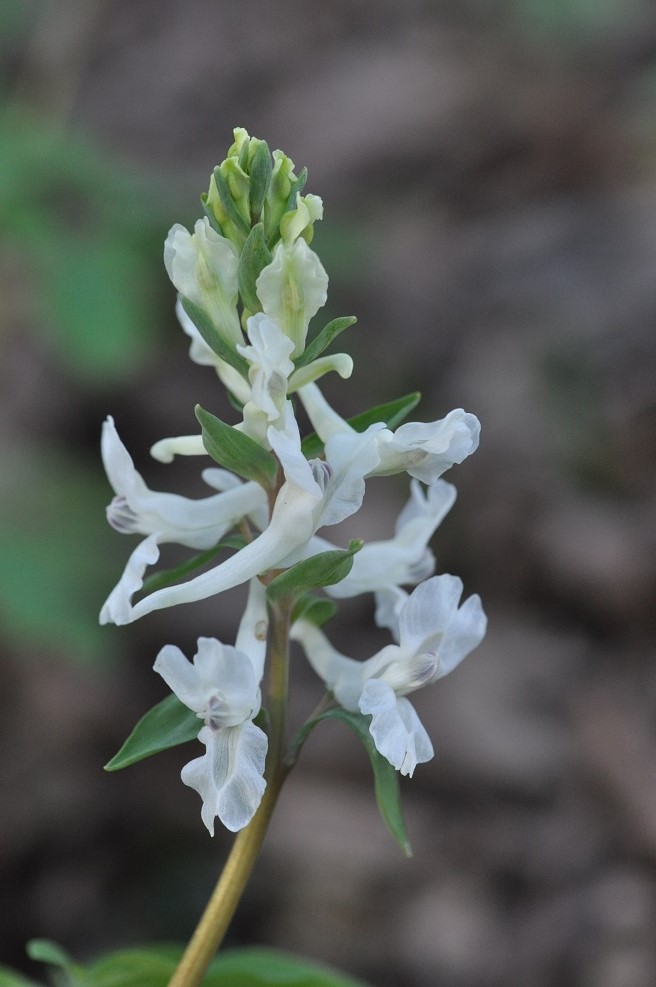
{"x":222,"y":905}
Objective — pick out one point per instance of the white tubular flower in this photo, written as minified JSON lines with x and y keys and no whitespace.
{"x":204,"y":356}
{"x":270,"y":366}
{"x":315,"y":494}
{"x":404,"y":559}
{"x":435,"y":634}
{"x":299,"y":221}
{"x":425,"y":450}
{"x":166,"y":517}
{"x":222,"y":688}
{"x":292,"y":289}
{"x":203,"y":267}
{"x":428,"y":449}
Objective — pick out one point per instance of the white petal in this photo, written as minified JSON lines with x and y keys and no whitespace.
{"x":397,"y":730}
{"x":291,"y":525}
{"x":199,"y":351}
{"x":342,"y":675}
{"x":117,"y":607}
{"x":465,"y":632}
{"x":389,"y":603}
{"x":427,"y":613}
{"x":350,"y":457}
{"x":341,"y":363}
{"x":253,"y":627}
{"x":229,"y":777}
{"x":165,"y":450}
{"x":325,"y":420}
{"x":270,"y":365}
{"x":286,"y":443}
{"x":292,"y":288}
{"x":181,"y":677}
{"x":124,"y":478}
{"x":203,"y":267}
{"x":426,"y":450}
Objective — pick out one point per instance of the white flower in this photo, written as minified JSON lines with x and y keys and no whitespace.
{"x":314,"y":494}
{"x":166,"y":517}
{"x":405,"y":558}
{"x":222,"y":687}
{"x":270,"y":366}
{"x":203,"y":266}
{"x":434,"y":636}
{"x":292,"y":289}
{"x":425,"y":450}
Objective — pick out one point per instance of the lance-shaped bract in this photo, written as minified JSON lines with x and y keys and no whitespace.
{"x":435,"y":634}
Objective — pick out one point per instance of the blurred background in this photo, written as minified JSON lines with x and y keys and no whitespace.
{"x":489,"y":179}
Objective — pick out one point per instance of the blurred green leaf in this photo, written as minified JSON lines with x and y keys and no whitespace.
{"x":9,"y":978}
{"x":87,"y":233}
{"x":270,"y":968}
{"x":57,"y":556}
{"x":168,"y":724}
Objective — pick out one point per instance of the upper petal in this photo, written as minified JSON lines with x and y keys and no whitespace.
{"x":117,"y":608}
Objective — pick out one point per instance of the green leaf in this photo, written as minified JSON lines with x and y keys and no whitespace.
{"x":254,"y":257}
{"x":152,"y":967}
{"x":270,"y":968}
{"x":236,"y":451}
{"x":386,"y":781}
{"x":392,"y":413}
{"x":167,"y":724}
{"x":10,"y":978}
{"x":323,"y":569}
{"x":169,"y":576}
{"x":296,"y":188}
{"x":317,"y":610}
{"x":323,"y":340}
{"x":260,"y":172}
{"x":212,"y":337}
{"x":228,"y":203}
{"x":45,"y":951}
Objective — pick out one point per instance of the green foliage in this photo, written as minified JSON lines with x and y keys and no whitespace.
{"x":386,"y":781}
{"x":84,"y":232}
{"x":167,"y":724}
{"x":212,"y":337}
{"x":169,"y":576}
{"x":323,"y":339}
{"x":254,"y":256}
{"x":9,"y":978}
{"x":153,"y":967}
{"x":56,"y":560}
{"x":323,"y":569}
{"x":236,"y":451}
{"x":392,"y":413}
{"x":315,"y":609}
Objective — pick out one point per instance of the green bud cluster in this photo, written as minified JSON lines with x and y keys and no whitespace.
{"x":252,"y":187}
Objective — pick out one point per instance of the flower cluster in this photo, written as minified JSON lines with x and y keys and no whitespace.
{"x":249,"y":285}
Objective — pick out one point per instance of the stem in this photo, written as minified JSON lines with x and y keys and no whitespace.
{"x":226,"y":895}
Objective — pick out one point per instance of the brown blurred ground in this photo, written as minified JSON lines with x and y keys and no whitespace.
{"x":490,"y":197}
